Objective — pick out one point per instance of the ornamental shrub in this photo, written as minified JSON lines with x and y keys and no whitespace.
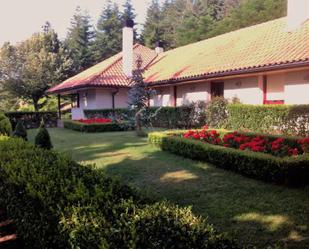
{"x":20,"y":130}
{"x":58,"y":203}
{"x":96,"y":127}
{"x":287,"y":170}
{"x":217,"y":112}
{"x":5,"y":125}
{"x":42,"y":139}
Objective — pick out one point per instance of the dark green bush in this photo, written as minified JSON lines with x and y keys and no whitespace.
{"x":5,"y":125}
{"x":189,"y":116}
{"x":20,"y":131}
{"x":291,"y":120}
{"x":42,"y":139}
{"x":82,"y":127}
{"x":216,"y":112}
{"x":33,"y":119}
{"x":288,"y":170}
{"x":57,"y":203}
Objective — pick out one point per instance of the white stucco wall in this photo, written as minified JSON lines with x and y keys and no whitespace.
{"x":275,"y":87}
{"x":297,"y":87}
{"x":163,"y":97}
{"x":103,"y":99}
{"x":121,"y":98}
{"x":194,"y":92}
{"x":248,"y":90}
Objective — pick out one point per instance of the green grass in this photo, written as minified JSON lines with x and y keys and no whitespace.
{"x":255,"y":213}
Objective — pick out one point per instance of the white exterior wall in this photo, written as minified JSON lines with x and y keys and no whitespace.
{"x":163,"y":97}
{"x":194,"y":92}
{"x":121,"y":98}
{"x":248,"y":90}
{"x":275,"y":87}
{"x":297,"y":88}
{"x":103,"y":99}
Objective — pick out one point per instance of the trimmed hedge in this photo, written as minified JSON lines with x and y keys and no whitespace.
{"x":292,"y":120}
{"x":57,"y":203}
{"x":164,"y":117}
{"x":33,"y":120}
{"x":82,"y":127}
{"x":292,"y":171}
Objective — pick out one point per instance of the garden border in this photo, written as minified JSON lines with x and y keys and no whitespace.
{"x":292,"y":171}
{"x":92,"y":128}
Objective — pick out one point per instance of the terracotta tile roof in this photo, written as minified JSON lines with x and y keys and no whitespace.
{"x":258,"y":46}
{"x":106,"y":73}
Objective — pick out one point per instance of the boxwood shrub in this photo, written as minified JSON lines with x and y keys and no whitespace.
{"x":292,"y":120}
{"x":106,"y":127}
{"x":292,"y":171}
{"x":57,"y":203}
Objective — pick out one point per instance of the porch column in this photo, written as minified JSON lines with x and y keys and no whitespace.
{"x":264,"y":89}
{"x":59,"y":107}
{"x":77,"y":101}
{"x":175,"y":96}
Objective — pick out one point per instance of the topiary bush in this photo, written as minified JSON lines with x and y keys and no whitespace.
{"x":42,"y":139}
{"x":20,"y":130}
{"x":5,"y":125}
{"x":58,"y":203}
{"x":217,"y":112}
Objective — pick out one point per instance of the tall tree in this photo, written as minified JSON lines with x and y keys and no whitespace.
{"x":79,"y":41}
{"x":129,"y":14}
{"x":153,"y":28}
{"x":39,"y":62}
{"x":250,"y":12}
{"x":109,"y":33}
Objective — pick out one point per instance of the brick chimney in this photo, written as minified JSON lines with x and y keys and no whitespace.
{"x":159,"y":47}
{"x":127,"y":47}
{"x":298,"y":13}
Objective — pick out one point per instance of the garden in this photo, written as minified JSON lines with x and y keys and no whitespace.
{"x":108,"y":187}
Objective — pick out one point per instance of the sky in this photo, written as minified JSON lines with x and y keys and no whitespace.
{"x":19,"y":19}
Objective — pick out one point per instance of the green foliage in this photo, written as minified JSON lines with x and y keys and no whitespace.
{"x":189,"y":116}
{"x":79,"y":41}
{"x":5,"y":125}
{"x":292,"y":120}
{"x":287,"y":170}
{"x":31,"y":67}
{"x":57,"y":203}
{"x":217,"y":113}
{"x":82,"y":127}
{"x":33,"y":119}
{"x":250,"y":12}
{"x":20,"y":130}
{"x":108,"y":40}
{"x":42,"y":139}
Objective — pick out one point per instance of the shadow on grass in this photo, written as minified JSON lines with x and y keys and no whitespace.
{"x":256,"y":213}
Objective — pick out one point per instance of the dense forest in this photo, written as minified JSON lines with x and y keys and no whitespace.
{"x":29,"y":68}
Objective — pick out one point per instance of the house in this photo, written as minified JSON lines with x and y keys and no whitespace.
{"x":263,"y":64}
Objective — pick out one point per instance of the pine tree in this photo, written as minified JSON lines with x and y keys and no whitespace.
{"x":129,"y":14}
{"x":42,"y":139}
{"x":79,"y":41}
{"x":153,"y":30}
{"x":109,"y":33}
{"x":20,"y":130}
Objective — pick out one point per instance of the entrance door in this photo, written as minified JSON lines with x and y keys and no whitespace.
{"x":217,"y":89}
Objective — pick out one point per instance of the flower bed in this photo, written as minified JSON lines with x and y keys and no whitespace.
{"x":95,"y":121}
{"x":209,"y":146}
{"x":276,"y":146}
{"x":89,"y":126}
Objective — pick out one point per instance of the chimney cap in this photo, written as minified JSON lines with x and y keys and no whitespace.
{"x":159,"y":44}
{"x":129,"y":23}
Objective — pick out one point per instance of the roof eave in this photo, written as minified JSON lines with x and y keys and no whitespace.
{"x":251,"y":70}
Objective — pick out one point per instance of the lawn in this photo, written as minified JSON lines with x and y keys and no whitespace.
{"x":254,"y":212}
